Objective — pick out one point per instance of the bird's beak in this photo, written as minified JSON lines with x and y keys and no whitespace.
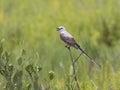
{"x":57,"y":29}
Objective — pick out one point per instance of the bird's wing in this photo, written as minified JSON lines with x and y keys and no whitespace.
{"x":67,"y":38}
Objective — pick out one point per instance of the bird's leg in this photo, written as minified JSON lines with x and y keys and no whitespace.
{"x":67,"y":46}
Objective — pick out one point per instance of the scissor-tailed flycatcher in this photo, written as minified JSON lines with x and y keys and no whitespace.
{"x":70,"y":41}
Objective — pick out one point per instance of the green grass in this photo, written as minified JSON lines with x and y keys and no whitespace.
{"x":28,"y":34}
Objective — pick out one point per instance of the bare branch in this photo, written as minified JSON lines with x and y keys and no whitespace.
{"x":73,"y":66}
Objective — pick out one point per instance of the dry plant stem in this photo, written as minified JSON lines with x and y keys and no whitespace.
{"x":77,"y":57}
{"x":73,"y":66}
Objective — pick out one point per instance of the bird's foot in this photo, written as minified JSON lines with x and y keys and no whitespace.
{"x":67,"y":47}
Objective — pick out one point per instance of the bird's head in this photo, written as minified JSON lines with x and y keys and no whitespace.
{"x":61,"y":28}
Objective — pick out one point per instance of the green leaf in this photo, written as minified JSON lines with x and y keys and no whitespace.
{"x":1,"y":49}
{"x":29,"y":68}
{"x":51,"y":75}
{"x":39,"y":68}
{"x":28,"y":86}
{"x":10,"y":69}
{"x":17,"y":79}
{"x":19,"y":60}
{"x":23,"y":52}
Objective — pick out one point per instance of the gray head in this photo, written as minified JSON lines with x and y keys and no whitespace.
{"x":61,"y":28}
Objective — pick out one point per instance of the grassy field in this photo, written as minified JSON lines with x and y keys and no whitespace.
{"x":32,"y":57}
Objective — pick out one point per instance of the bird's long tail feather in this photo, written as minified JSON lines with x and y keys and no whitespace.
{"x":90,"y":58}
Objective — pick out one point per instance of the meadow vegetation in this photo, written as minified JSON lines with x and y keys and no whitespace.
{"x":32,"y":57}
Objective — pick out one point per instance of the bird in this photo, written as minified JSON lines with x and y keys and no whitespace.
{"x":70,"y":41}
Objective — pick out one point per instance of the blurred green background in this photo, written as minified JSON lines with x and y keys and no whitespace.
{"x":30,"y":25}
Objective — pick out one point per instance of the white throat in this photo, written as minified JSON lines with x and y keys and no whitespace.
{"x":62,"y":30}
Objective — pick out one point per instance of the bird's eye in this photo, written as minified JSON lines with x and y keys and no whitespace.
{"x":61,"y":28}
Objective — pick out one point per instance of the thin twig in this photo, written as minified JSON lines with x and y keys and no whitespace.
{"x":77,"y":57}
{"x":73,"y":66}
{"x":94,"y":84}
